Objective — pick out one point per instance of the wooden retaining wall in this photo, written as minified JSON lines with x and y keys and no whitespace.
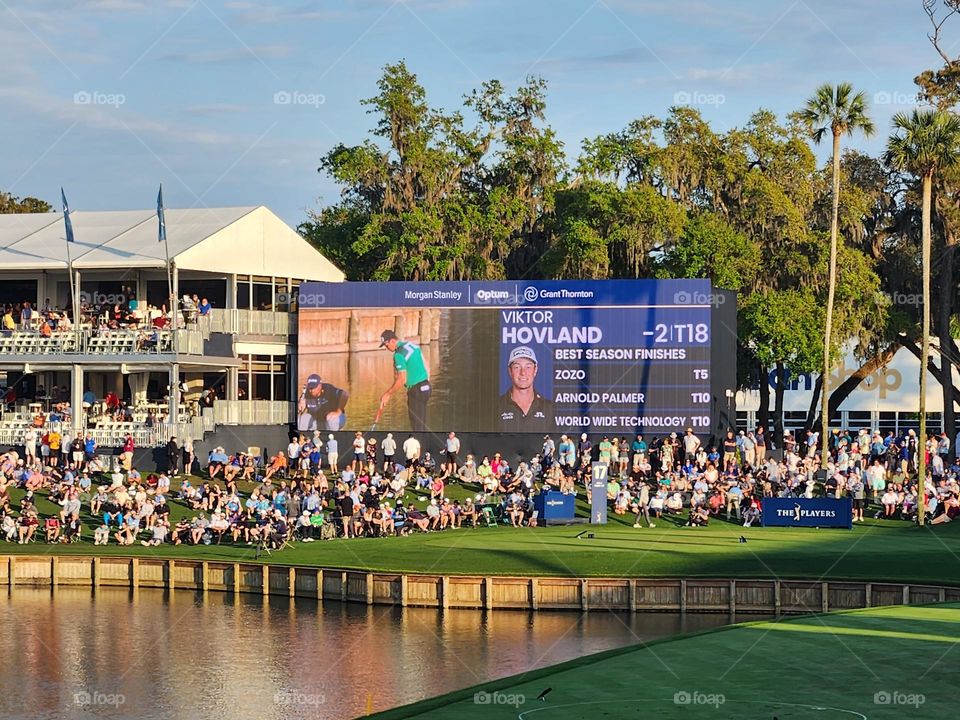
{"x":480,"y":593}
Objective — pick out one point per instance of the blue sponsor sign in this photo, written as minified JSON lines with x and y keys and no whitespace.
{"x":807,"y":512}
{"x":554,"y":506}
{"x":508,"y":293}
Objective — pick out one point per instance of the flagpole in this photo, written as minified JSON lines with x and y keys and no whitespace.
{"x":68,"y":228}
{"x":174,"y":411}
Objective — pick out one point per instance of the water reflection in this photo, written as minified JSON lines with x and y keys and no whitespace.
{"x":151,"y":654}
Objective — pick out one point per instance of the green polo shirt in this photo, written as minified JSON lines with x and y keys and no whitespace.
{"x":409,"y":358}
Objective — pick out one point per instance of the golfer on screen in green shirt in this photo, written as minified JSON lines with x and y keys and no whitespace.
{"x":410,"y":371}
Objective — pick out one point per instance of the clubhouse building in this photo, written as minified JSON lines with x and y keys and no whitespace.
{"x":129,"y":365}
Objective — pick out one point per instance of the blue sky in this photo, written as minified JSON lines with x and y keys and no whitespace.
{"x":233,"y":103}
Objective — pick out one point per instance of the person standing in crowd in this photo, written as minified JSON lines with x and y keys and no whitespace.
{"x":411,"y":450}
{"x":359,"y":452}
{"x":410,"y":371}
{"x":453,"y":451}
{"x":30,"y":445}
{"x":173,"y":456}
{"x":389,"y":447}
{"x":333,"y":454}
{"x":691,"y":444}
{"x":639,"y":449}
{"x":188,"y":455}
{"x":761,"y":441}
{"x":547,"y":451}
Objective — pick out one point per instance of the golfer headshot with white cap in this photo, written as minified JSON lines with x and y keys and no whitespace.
{"x":521,"y":407}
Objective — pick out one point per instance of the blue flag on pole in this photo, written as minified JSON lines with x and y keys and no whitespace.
{"x":66,"y":217}
{"x":162,"y":233}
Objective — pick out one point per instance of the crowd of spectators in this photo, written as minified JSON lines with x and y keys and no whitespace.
{"x":102,"y":312}
{"x":382,"y":486}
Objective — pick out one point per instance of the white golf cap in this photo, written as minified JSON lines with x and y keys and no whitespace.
{"x":523,"y":352}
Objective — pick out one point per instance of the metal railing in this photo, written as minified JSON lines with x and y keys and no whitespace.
{"x":252,"y":412}
{"x":224,"y":412}
{"x":95,"y":342}
{"x":248,"y":322}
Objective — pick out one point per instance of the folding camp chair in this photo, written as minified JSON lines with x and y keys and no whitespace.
{"x":486,"y":513}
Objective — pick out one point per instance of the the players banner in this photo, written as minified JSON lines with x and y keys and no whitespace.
{"x":621,"y":356}
{"x":807,"y":512}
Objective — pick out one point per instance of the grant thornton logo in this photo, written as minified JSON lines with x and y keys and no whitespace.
{"x":531,"y":294}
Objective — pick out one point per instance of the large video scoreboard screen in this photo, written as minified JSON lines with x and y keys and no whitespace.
{"x":620,"y":356}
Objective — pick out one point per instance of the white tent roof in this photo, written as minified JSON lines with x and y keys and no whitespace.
{"x":245,"y":240}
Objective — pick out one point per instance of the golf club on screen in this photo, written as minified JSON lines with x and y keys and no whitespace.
{"x":376,"y":419}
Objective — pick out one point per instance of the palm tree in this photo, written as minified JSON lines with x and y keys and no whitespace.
{"x":838,"y":111}
{"x":924,"y":143}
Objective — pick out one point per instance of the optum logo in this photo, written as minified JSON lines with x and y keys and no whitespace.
{"x":494,"y":297}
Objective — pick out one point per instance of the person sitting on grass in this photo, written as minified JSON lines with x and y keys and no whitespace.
{"x":304,"y":529}
{"x":127,"y":534}
{"x":889,"y":501}
{"x":436,"y":489}
{"x":699,"y":516}
{"x":751,"y":512}
{"x":181,"y":532}
{"x":508,"y":482}
{"x":159,"y":534}
{"x":946,"y":510}
{"x":218,"y":525}
{"x":674,"y":504}
{"x":112,"y":512}
{"x":417,"y":518}
{"x":447,"y":516}
{"x":101,"y":535}
{"x":486,"y":476}
{"x":468,"y":511}
{"x":198,"y":526}
{"x":621,"y":501}
{"x":515,"y":509}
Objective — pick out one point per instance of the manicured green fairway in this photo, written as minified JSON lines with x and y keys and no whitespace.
{"x":875,"y":550}
{"x":881,"y":663}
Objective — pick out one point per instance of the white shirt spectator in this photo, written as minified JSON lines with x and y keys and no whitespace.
{"x":389,"y":445}
{"x":411,"y":448}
